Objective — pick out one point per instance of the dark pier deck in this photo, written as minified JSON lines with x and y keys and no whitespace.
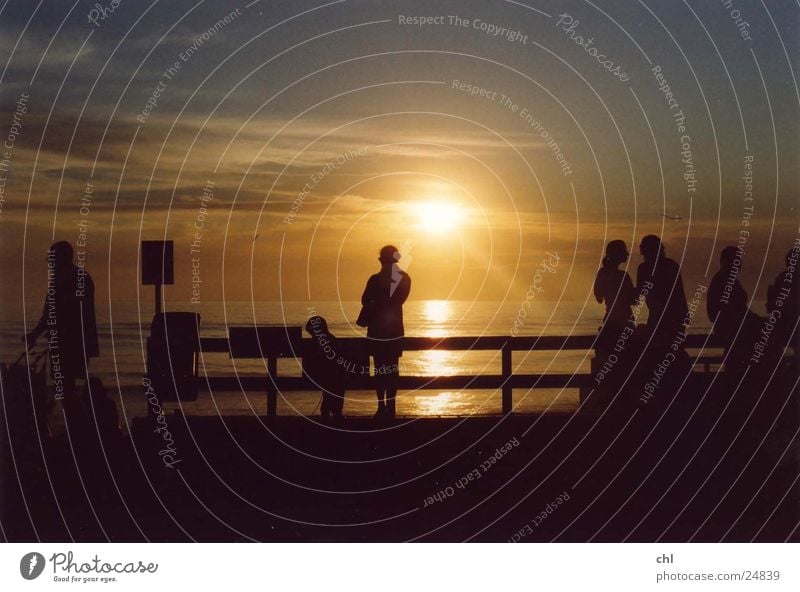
{"x":709,"y":459}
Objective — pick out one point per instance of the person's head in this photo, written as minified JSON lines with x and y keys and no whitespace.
{"x":316,"y":325}
{"x":616,"y":252}
{"x":61,"y":253}
{"x":651,"y":248}
{"x":389,"y":255}
{"x":727,"y":257}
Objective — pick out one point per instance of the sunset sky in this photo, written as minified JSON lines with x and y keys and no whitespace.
{"x":259,"y":110}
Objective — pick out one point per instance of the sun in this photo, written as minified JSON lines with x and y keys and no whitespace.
{"x":439,"y":217}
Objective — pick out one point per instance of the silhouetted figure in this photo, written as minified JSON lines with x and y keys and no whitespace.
{"x":321,"y":363}
{"x":726,"y":304}
{"x":613,"y":286}
{"x":658,"y":279}
{"x":664,"y":363}
{"x":383,"y":299}
{"x":783,"y":304}
{"x":68,"y":322}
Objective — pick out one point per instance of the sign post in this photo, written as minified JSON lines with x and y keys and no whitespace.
{"x":157,"y":267}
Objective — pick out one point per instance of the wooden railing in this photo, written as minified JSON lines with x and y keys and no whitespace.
{"x":506,"y":381}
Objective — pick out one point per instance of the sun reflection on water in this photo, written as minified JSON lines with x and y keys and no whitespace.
{"x":445,"y":403}
{"x":435,"y":315}
{"x":437,"y":311}
{"x":438,"y":363}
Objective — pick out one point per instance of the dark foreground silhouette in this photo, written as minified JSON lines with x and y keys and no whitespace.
{"x":67,"y":322}
{"x":382,"y":314}
{"x":697,"y":465}
{"x":668,"y":454}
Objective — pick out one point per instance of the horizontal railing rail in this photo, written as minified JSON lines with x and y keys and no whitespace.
{"x":507,"y":380}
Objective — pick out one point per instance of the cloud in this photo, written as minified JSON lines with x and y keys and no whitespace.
{"x":37,"y":49}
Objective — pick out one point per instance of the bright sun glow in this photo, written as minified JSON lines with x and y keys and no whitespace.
{"x":437,"y":311}
{"x":439,"y":217}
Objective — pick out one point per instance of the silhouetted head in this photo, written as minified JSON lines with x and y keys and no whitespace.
{"x":62,"y":253}
{"x":316,"y":325}
{"x":389,"y":255}
{"x":616,"y":252}
{"x":651,"y":248}
{"x":727,"y":257}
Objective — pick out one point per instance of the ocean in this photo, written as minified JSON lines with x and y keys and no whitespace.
{"x":124,"y":328}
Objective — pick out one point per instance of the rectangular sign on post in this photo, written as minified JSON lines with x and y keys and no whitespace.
{"x":157,"y":263}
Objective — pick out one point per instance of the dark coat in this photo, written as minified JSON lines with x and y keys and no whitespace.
{"x":386,"y":312}
{"x":787,"y":331}
{"x":614,"y":287}
{"x":386,"y":320}
{"x":729,"y":313}
{"x":666,"y":300}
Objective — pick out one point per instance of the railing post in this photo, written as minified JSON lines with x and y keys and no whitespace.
{"x":272,"y":392}
{"x":506,"y":371}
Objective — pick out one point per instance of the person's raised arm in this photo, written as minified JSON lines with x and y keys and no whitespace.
{"x":598,"y":288}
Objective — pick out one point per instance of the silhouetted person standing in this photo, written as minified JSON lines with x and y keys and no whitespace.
{"x":383,"y":299}
{"x":726,"y":305}
{"x":658,"y":279}
{"x":783,"y":304}
{"x":613,"y":286}
{"x":68,"y":322}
